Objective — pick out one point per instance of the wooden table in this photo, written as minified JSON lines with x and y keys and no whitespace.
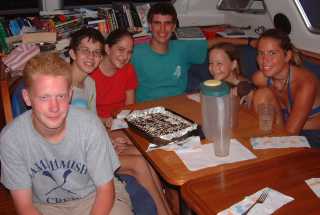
{"x":286,"y":174}
{"x":168,"y":164}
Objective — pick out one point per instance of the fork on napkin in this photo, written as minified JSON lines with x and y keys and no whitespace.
{"x":189,"y":144}
{"x":274,"y":201}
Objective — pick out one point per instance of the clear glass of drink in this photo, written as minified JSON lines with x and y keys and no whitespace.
{"x":266,"y":115}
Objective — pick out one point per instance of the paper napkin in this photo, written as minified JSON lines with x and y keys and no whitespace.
{"x":314,"y":184}
{"x":274,"y":201}
{"x":195,"y":97}
{"x":123,"y":114}
{"x":195,"y":160}
{"x":279,"y":142}
{"x":118,"y":124}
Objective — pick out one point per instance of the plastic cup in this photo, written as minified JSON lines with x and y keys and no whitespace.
{"x":266,"y":115}
{"x":215,"y":108}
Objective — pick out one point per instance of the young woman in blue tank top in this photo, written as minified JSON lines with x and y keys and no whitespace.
{"x":293,"y":90}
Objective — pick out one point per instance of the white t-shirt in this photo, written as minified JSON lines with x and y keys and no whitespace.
{"x":86,"y":97}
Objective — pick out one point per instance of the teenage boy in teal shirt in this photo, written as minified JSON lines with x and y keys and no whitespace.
{"x":162,"y":64}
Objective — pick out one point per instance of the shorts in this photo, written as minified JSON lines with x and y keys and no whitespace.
{"x":121,"y":206}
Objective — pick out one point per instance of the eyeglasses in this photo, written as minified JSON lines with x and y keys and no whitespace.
{"x":85,"y":51}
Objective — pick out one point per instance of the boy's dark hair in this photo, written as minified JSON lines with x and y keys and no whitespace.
{"x":116,"y":35}
{"x":163,"y":9}
{"x":90,"y":33}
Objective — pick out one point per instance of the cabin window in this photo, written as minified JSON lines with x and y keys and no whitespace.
{"x":245,"y":6}
{"x":309,"y":11}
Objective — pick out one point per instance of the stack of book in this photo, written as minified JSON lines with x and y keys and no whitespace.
{"x":66,"y":25}
{"x":126,"y":15}
{"x":100,"y":24}
{"x":14,"y":26}
{"x":110,"y":21}
{"x":19,"y":30}
{"x":142,"y":10}
{"x":50,"y":27}
{"x":120,"y":15}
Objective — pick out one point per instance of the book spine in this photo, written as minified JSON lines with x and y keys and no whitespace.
{"x":124,"y":17}
{"x":108,"y":24}
{"x":142,"y":12}
{"x":3,"y":42}
{"x":128,"y":15}
{"x":5,"y":25}
{"x":102,"y":27}
{"x":92,"y":22}
{"x":120,"y":15}
{"x":14,"y":27}
{"x":115,"y":24}
{"x":135,"y":16}
{"x":61,"y":24}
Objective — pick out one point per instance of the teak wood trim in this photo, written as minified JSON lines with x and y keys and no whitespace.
{"x":6,"y":102}
{"x":5,"y":94}
{"x":314,"y":57}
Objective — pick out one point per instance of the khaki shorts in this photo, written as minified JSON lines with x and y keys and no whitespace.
{"x":121,"y":206}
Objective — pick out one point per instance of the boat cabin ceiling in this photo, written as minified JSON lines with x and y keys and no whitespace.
{"x":299,"y":17}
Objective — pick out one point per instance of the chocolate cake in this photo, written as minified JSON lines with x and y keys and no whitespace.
{"x":160,"y":123}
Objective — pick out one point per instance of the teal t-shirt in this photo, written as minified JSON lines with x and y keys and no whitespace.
{"x":162,"y":75}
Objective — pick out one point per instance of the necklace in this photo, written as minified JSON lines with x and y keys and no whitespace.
{"x":284,"y":82}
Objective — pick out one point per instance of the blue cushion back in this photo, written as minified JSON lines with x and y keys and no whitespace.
{"x":199,"y":72}
{"x":17,"y":102}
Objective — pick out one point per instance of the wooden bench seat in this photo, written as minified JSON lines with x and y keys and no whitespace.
{"x":6,"y":202}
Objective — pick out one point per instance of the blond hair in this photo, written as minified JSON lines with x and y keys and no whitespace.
{"x":46,"y":64}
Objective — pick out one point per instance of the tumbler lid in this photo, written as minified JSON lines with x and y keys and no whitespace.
{"x":214,"y":88}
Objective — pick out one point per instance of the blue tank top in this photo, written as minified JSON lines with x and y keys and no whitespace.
{"x":286,"y":111}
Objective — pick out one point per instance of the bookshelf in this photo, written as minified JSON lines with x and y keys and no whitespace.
{"x":126,"y":15}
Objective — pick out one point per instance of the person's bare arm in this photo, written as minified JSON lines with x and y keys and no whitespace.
{"x":303,"y":102}
{"x":104,"y":200}
{"x":264,"y":94}
{"x":23,"y":202}
{"x":130,"y":97}
{"x":259,"y":80}
{"x":122,"y":143}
